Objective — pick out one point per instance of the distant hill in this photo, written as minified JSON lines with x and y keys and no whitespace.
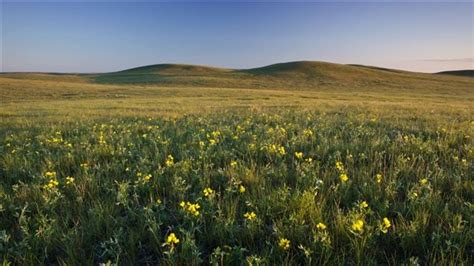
{"x":173,"y":69}
{"x":290,"y":75}
{"x":299,"y":75}
{"x":164,"y":74}
{"x":463,"y":73}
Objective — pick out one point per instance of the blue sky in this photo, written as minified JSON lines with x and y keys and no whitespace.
{"x":108,"y":36}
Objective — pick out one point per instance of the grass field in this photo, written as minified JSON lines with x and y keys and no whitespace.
{"x":298,"y":163}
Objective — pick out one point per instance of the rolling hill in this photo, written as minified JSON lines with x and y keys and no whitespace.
{"x":291,"y":75}
{"x":300,"y":75}
{"x":463,"y":73}
{"x":177,"y":89}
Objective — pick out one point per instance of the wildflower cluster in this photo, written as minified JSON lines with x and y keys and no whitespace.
{"x":321,"y":226}
{"x":342,"y":172}
{"x":275,"y":149}
{"x":191,"y":208}
{"x":378,"y":178}
{"x":52,"y":181}
{"x":259,"y":186}
{"x":284,"y":243}
{"x":171,"y":241}
{"x":307,"y":132}
{"x":214,"y":137}
{"x":299,"y":155}
{"x":169,"y":161}
{"x":144,"y":178}
{"x":385,"y":225}
{"x":358,"y":225}
{"x":69,"y":180}
{"x":208,"y":192}
{"x":321,"y":235}
{"x":250,"y":216}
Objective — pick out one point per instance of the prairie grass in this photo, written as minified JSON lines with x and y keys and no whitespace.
{"x":133,"y":174}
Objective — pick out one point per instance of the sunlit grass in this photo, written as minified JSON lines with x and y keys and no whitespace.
{"x":238,"y":186}
{"x":134,"y":174}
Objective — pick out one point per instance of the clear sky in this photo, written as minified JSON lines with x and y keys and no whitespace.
{"x":105,"y":36}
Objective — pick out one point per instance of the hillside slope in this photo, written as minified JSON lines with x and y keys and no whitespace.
{"x":300,"y":75}
{"x":291,"y":75}
{"x":463,"y":73}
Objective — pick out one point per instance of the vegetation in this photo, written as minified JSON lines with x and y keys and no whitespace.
{"x":466,"y":73}
{"x":150,"y":174}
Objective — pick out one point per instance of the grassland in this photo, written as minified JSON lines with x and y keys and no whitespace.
{"x":299,"y":163}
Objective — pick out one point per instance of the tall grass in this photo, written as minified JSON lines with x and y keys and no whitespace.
{"x":238,"y":187}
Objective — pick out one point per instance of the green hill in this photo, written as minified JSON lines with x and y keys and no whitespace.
{"x":177,"y":89}
{"x":463,"y":73}
{"x":290,"y":76}
{"x":174,"y":69}
{"x":300,"y":75}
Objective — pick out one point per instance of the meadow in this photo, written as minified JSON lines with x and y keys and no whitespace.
{"x":95,"y":170}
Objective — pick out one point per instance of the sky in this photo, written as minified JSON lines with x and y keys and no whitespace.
{"x":87,"y":36}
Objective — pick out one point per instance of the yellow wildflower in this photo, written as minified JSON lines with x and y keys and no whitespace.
{"x":250,"y":216}
{"x":102,"y":139}
{"x":172,"y":239}
{"x":242,"y":189}
{"x":423,"y":181}
{"x":208,"y":192}
{"x":298,"y":155}
{"x":146,"y":178}
{"x":53,"y":183}
{"x":358,"y":225}
{"x":378,"y":178}
{"x":233,"y":164}
{"x":192,"y":208}
{"x":386,"y":224}
{"x":363,"y":204}
{"x":308,"y":132}
{"x":282,"y":130}
{"x":339,"y":166}
{"x":284,"y":243}
{"x":69,"y":180}
{"x":343,"y":177}
{"x":50,"y":174}
{"x":216,"y":134}
{"x":321,"y":226}
{"x":169,"y":161}
{"x":413,"y":195}
{"x":281,"y":150}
